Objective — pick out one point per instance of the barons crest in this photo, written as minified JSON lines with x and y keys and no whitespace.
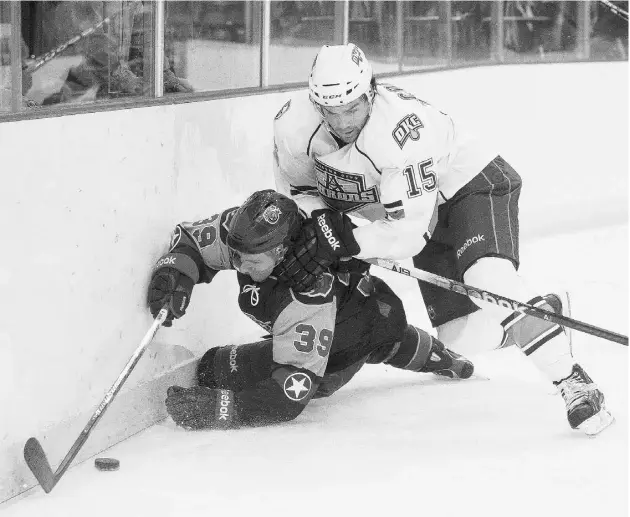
{"x":272,"y":214}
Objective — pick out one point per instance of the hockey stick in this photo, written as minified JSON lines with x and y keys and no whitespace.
{"x":616,"y":10}
{"x":34,"y":453}
{"x":502,"y":301}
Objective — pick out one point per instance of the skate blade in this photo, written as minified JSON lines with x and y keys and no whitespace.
{"x":597,"y":423}
{"x":474,"y":377}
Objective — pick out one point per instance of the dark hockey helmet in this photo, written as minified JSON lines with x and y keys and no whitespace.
{"x":264,"y":221}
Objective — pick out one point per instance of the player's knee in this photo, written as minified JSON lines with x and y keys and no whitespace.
{"x":235,"y":367}
{"x":489,"y":272}
{"x":477,"y":332}
{"x":496,"y":275}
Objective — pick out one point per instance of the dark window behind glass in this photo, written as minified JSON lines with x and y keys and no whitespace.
{"x":5,"y":57}
{"x":213,"y":45}
{"x":80,"y":52}
{"x":298,"y":31}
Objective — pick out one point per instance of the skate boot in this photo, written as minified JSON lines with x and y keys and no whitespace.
{"x":447,"y":363}
{"x":585,"y":403}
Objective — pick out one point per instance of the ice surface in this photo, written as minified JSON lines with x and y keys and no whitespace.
{"x":400,"y":443}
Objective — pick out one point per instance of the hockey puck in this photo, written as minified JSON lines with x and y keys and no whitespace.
{"x":106,"y":463}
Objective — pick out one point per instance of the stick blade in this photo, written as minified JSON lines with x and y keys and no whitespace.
{"x":38,"y":463}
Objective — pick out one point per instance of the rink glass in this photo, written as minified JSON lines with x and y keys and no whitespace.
{"x":79,"y":56}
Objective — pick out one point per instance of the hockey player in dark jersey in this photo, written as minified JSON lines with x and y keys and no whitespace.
{"x":318,"y":339}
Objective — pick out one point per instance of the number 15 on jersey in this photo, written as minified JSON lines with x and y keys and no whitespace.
{"x":420,"y":178}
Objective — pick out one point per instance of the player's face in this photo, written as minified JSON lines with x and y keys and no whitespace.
{"x":347,"y":121}
{"x":257,"y":266}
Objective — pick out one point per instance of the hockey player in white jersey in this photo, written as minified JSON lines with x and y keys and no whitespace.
{"x":429,"y":191}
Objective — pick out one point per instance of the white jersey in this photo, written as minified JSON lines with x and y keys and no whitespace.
{"x":408,"y":159}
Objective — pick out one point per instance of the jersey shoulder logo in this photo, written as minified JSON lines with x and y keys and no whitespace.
{"x":321,"y":289}
{"x":254,"y":293}
{"x":283,"y":110}
{"x":297,"y":386}
{"x":407,"y":128}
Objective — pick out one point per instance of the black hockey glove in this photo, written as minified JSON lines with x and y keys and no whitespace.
{"x":326,"y":237}
{"x":301,"y":267}
{"x":172,"y":283}
{"x":201,"y":407}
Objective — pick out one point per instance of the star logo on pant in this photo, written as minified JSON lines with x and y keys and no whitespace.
{"x":297,"y":386}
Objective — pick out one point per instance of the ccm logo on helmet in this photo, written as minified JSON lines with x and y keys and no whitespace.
{"x":332,"y":96}
{"x":327,"y":232}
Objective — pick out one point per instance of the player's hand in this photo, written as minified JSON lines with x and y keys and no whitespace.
{"x":200,"y":407}
{"x":169,"y":286}
{"x":325,"y":237}
{"x":300,"y":267}
{"x":334,"y":234}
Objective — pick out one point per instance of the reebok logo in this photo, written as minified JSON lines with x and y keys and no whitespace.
{"x":166,"y":261}
{"x":233,"y":365}
{"x":224,"y":405}
{"x":469,"y":242}
{"x":327,"y":232}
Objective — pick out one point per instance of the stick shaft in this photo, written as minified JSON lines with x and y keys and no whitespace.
{"x":496,"y":299}
{"x":616,"y":9}
{"x":36,"y":459}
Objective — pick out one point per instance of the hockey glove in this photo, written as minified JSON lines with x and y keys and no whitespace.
{"x":201,"y":407}
{"x":300,"y":266}
{"x":325,"y":238}
{"x":172,"y":283}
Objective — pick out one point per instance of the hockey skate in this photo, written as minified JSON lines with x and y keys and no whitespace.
{"x":586,"y":411}
{"x":447,"y":363}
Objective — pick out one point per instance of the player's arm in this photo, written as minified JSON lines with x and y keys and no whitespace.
{"x":196,"y":253}
{"x":409,"y":195}
{"x":330,"y":236}
{"x":294,"y":169}
{"x":261,"y":383}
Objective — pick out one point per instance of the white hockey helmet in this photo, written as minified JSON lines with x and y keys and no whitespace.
{"x":340,"y":75}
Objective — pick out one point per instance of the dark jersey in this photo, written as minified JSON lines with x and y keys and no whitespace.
{"x":326,"y":328}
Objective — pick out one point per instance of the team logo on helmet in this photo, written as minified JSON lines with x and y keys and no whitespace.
{"x":297,"y":386}
{"x":357,"y":56}
{"x":272,"y":214}
{"x":431,"y":312}
{"x":407,"y":128}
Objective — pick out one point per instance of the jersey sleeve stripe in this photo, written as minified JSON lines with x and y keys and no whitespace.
{"x":393,"y":205}
{"x":302,"y":190}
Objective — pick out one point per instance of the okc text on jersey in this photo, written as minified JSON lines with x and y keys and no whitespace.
{"x":407,"y":128}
